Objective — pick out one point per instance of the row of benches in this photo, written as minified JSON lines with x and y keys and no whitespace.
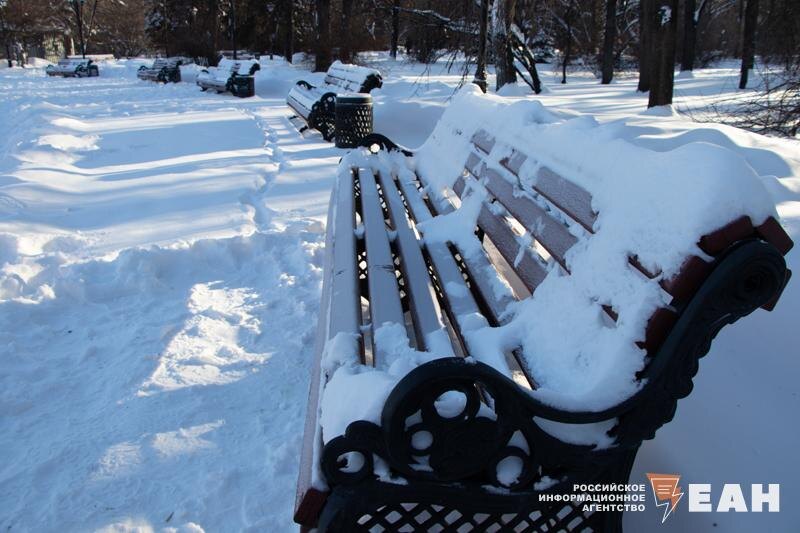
{"x":314,"y":105}
{"x":230,"y":75}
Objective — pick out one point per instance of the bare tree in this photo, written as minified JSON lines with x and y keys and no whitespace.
{"x":80,"y":21}
{"x":645,"y":46}
{"x":480,"y":67}
{"x":323,"y":49}
{"x":748,"y":41}
{"x":395,"y":28}
{"x":346,"y":31}
{"x":288,"y":30}
{"x":568,"y":19}
{"x":664,"y":30}
{"x":609,"y":39}
{"x":502,"y":18}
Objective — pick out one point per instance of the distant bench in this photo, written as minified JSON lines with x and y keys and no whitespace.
{"x":73,"y":68}
{"x":232,"y":75}
{"x":162,"y":70}
{"x":484,"y":465}
{"x":315,"y":105}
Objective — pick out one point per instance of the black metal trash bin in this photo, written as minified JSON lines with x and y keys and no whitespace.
{"x":353,"y":119}
{"x":244,"y":86}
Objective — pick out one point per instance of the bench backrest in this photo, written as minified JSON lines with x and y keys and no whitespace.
{"x":562,"y":205}
{"x":353,"y":78}
{"x":73,"y":63}
{"x":540,"y":223}
{"x":166,"y":62}
{"x":241,"y":67}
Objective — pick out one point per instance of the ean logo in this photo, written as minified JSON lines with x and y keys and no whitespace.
{"x":666,"y":492}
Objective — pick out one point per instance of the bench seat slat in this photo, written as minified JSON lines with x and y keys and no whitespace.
{"x":344,"y":282}
{"x":384,"y":295}
{"x":427,"y":321}
{"x":496,"y":295}
{"x":460,"y":302}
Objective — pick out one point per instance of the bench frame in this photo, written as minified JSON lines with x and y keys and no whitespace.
{"x":241,"y":85}
{"x":169,"y":71}
{"x":321,"y":114}
{"x":748,"y":272}
{"x":84,"y":68}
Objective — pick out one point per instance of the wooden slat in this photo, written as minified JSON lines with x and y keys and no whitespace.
{"x":573,"y":200}
{"x":427,"y":321}
{"x":384,"y":294}
{"x":717,"y":241}
{"x":685,"y":283}
{"x":570,"y":198}
{"x":481,"y":271}
{"x":484,"y":141}
{"x":634,"y":261}
{"x":658,"y":327}
{"x":339,"y":237}
{"x":772,"y":232}
{"x":461,"y":303}
{"x":549,"y":232}
{"x":529,"y":270}
{"x":344,"y":283}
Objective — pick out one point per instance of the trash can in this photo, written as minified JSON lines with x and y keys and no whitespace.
{"x":243,"y":86}
{"x":353,"y":119}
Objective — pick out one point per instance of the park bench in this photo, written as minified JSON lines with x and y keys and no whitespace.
{"x":73,"y":68}
{"x":315,"y":105}
{"x":422,"y":437}
{"x":163,"y":69}
{"x":234,"y":76}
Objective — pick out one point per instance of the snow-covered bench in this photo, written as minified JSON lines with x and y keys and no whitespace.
{"x":316,"y":105}
{"x":235,"y":76}
{"x":73,"y":68}
{"x":162,"y":70}
{"x":510,"y":311}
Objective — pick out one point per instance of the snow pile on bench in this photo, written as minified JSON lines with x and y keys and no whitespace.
{"x":656,"y":203}
{"x":226,"y":68}
{"x":349,"y":77}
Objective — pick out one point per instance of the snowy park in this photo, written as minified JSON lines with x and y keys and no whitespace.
{"x":174,"y":345}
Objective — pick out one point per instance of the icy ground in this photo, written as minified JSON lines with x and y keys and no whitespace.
{"x":160,"y":254}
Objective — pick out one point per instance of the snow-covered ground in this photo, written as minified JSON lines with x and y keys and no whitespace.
{"x":160,"y":254}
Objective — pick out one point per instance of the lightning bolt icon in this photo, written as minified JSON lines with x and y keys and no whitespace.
{"x":666,"y":492}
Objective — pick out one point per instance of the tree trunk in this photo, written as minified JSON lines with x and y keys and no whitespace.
{"x":323,"y":51}
{"x":689,"y":35}
{"x":748,"y":41}
{"x":233,"y":27}
{"x":568,"y":47}
{"x":395,"y":28}
{"x":77,"y":8}
{"x":480,"y":67}
{"x":345,"y":32}
{"x":502,"y":16}
{"x":645,"y":52}
{"x":288,"y":36}
{"x":608,"y":41}
{"x":664,"y":30}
